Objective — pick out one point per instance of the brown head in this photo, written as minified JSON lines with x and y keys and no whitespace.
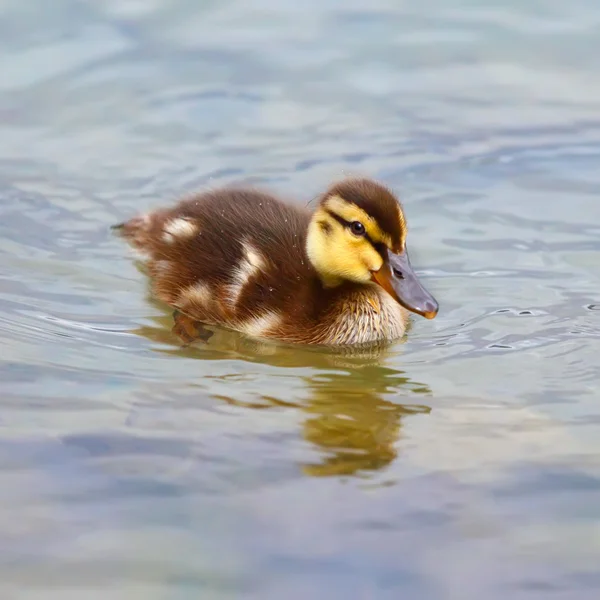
{"x":358,"y":233}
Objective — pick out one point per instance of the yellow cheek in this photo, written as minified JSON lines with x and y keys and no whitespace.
{"x":371,"y":258}
{"x":360,"y":258}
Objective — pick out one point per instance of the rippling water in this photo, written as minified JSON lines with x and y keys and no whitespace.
{"x":463,"y":463}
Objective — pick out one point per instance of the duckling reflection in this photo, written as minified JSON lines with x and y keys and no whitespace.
{"x":353,"y":417}
{"x":356,"y":428}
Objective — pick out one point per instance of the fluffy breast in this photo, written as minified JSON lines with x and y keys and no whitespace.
{"x":368,"y":316}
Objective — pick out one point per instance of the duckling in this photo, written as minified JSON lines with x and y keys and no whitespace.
{"x":249,"y":261}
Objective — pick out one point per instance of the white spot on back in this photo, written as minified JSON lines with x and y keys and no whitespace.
{"x":260,"y":325}
{"x":253,"y":256}
{"x":251,"y":264}
{"x":199,"y":293}
{"x":178,"y":228}
{"x":162,"y":266}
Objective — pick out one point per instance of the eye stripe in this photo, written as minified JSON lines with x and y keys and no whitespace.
{"x":345,"y":223}
{"x":337,"y":217}
{"x":351,"y":212}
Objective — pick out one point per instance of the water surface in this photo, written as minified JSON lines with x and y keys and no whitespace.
{"x":462,"y":463}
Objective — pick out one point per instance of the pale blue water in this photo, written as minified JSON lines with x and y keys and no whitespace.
{"x":464,"y":463}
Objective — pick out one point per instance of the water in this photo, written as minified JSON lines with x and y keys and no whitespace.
{"x":463,"y":463}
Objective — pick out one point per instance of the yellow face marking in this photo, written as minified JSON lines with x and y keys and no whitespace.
{"x":337,"y":254}
{"x":403,"y":228}
{"x":350,"y":212}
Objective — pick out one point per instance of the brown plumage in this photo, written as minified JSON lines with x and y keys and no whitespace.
{"x":247,"y":260}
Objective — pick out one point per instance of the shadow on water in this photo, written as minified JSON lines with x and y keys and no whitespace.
{"x":350,"y":413}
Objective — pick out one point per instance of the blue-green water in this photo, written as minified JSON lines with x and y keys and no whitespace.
{"x":462,"y":464}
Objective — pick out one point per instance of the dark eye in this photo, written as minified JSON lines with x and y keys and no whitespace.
{"x":357,"y":228}
{"x":398,"y":273}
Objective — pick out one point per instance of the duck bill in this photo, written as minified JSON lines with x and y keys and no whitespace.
{"x":398,"y":279}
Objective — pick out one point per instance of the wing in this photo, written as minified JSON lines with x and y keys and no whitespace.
{"x":225,"y":254}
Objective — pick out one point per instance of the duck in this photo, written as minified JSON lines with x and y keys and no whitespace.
{"x":247,"y":260}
